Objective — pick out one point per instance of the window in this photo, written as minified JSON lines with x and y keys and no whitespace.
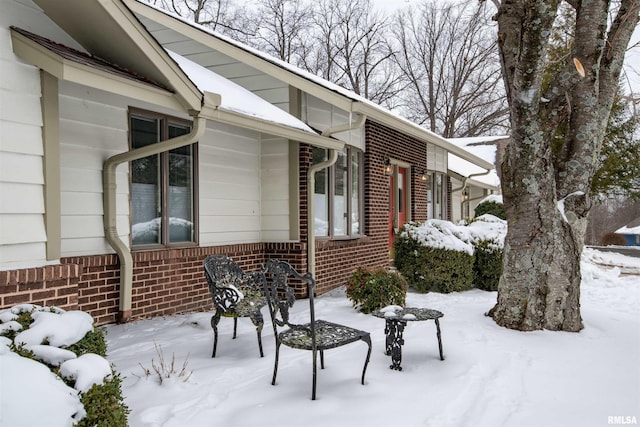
{"x":338,"y":194}
{"x":437,"y":196}
{"x":163,"y":201}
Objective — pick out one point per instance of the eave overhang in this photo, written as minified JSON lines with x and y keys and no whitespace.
{"x":109,"y":30}
{"x":73,"y":71}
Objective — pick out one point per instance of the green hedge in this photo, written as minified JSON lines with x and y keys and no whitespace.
{"x":490,"y":207}
{"x":432,"y":269}
{"x":373,"y":289}
{"x":103,"y":403}
{"x":487,"y":267}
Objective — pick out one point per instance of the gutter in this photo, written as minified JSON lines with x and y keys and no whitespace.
{"x":109,"y":199}
{"x":311,"y":183}
{"x":464,"y":185}
{"x":467,"y":178}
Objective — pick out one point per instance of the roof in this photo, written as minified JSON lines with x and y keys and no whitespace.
{"x":632,"y":228}
{"x":88,"y":59}
{"x":296,"y":77}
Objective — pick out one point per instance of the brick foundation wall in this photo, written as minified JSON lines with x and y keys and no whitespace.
{"x":49,"y":285}
{"x":165,"y":282}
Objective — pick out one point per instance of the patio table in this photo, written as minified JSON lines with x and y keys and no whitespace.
{"x":396,"y":319}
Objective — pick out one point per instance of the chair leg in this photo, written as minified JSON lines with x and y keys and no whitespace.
{"x":321,"y":359}
{"x":214,"y":324}
{"x":315,"y":370}
{"x":275,"y":365}
{"x":366,"y":339}
{"x":439,"y":339}
{"x":258,"y":321}
{"x":235,"y":327}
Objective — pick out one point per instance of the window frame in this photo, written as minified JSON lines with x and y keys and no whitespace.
{"x":348,"y":151}
{"x":165,"y":121}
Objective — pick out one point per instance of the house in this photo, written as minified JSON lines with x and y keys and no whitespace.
{"x":470,"y":182}
{"x":133,"y":144}
{"x":631,"y":232}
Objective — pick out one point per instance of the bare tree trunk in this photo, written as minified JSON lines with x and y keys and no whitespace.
{"x":546,"y":188}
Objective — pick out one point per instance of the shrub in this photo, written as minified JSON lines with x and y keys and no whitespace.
{"x":487,"y":267}
{"x":104,"y":405}
{"x":372,"y":289}
{"x":490,"y":207}
{"x":93,"y":342}
{"x":613,"y":239}
{"x":431,"y":268}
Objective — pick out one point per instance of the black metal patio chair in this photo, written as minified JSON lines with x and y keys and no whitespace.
{"x":235,"y":294}
{"x":317,"y":335}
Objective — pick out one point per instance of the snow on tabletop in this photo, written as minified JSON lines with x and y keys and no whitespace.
{"x":86,"y":370}
{"x":409,"y":316}
{"x":57,"y":329}
{"x":391,"y":308}
{"x":33,"y":396}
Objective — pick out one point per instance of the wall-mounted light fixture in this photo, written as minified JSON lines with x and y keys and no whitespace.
{"x":423,"y":176}
{"x":388,"y":168}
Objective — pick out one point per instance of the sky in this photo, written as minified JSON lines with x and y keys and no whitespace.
{"x":491,"y":376}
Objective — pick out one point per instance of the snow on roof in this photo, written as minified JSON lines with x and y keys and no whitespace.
{"x":632,"y":228}
{"x":234,"y":97}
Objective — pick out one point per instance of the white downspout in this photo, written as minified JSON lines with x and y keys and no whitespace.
{"x":311,"y":183}
{"x":109,"y":199}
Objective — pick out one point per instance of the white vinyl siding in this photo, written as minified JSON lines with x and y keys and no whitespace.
{"x":229,"y":187}
{"x":93,"y":127}
{"x":275,"y":189}
{"x":22,"y":231}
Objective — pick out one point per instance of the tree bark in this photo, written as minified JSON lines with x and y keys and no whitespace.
{"x":545,"y":188}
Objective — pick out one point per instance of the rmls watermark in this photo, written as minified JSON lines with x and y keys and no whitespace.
{"x":622,"y":419}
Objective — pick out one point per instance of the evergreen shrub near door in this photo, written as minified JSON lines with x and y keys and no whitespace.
{"x":487,"y":267}
{"x":448,"y":268}
{"x":371,"y":290}
{"x":444,"y":257}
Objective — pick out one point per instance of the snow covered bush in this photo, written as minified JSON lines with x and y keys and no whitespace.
{"x":372,"y":289}
{"x":444,"y":257}
{"x":491,"y":205}
{"x":63,"y":345}
{"x":488,"y":233}
{"x":433,"y":258}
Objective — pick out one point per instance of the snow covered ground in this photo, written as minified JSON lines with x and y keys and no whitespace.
{"x":491,"y":376}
